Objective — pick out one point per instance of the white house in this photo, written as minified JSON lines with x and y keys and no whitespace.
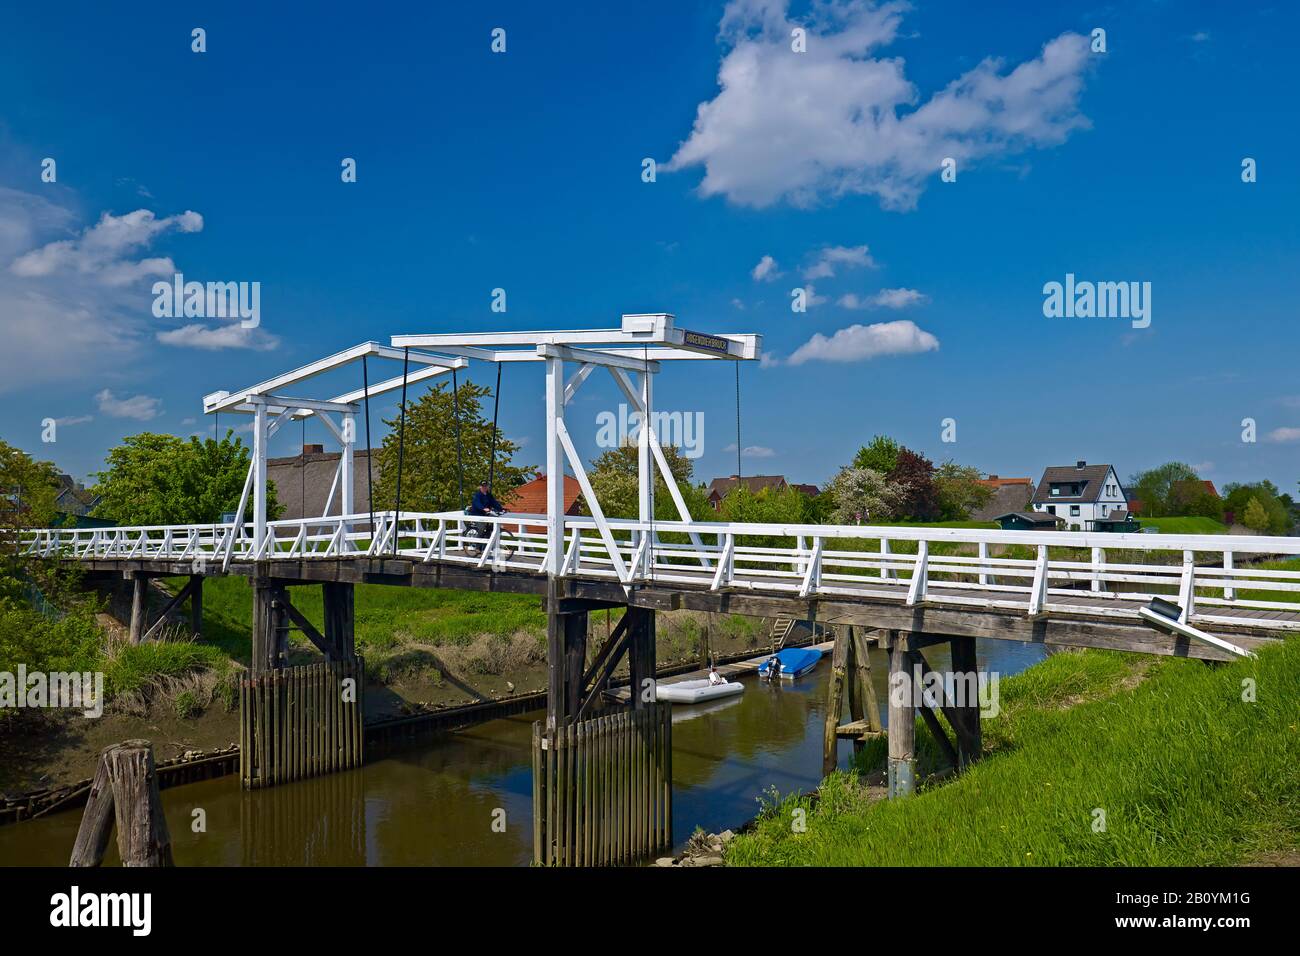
{"x":1082,"y":495}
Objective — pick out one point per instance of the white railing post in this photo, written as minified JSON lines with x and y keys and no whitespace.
{"x":984,"y":562}
{"x":1098,"y":559}
{"x":1187,"y":587}
{"x":919,"y":584}
{"x":886,"y":573}
{"x":1229,"y":592}
{"x":1038,"y":593}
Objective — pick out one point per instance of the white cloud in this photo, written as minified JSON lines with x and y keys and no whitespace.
{"x":810,"y":296}
{"x":753,"y":451}
{"x":74,"y":420}
{"x":832,"y":257}
{"x":765,"y":271}
{"x":848,"y":122}
{"x":232,"y":336}
{"x":140,"y":407}
{"x":102,"y":250}
{"x":737,"y":304}
{"x":1283,"y":435}
{"x":884,"y":299}
{"x":67,"y":314}
{"x":858,"y":343}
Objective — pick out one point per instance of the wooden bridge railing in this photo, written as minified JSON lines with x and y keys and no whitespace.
{"x":1029,"y":571}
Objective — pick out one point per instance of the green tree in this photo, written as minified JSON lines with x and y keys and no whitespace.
{"x":768,"y":506}
{"x":861,"y":496}
{"x":960,"y":492}
{"x":614,"y":479}
{"x":1255,"y":517}
{"x":1237,"y":499}
{"x":28,"y":489}
{"x":881,"y":455}
{"x":431,"y":474}
{"x":1167,"y":489}
{"x":161,"y":479}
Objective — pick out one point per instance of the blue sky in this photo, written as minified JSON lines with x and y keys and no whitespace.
{"x":522,"y":170}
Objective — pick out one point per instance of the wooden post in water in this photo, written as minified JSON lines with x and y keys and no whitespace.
{"x":902,"y":718}
{"x":863,"y":687}
{"x":125,"y":791}
{"x":835,"y":701}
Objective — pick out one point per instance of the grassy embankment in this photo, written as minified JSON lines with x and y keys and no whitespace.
{"x":1184,"y":770}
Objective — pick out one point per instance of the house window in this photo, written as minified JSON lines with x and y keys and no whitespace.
{"x":1074,"y":511}
{"x":1051,"y":509}
{"x":1056,"y":490}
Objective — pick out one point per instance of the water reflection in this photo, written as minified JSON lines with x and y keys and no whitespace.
{"x":434,"y":804}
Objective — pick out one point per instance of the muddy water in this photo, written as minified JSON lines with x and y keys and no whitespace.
{"x":437,"y":803}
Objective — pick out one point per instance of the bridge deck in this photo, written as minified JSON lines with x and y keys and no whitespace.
{"x":1082,"y":589}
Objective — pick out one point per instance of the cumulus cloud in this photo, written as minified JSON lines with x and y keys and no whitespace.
{"x":841,"y":119}
{"x":884,"y":299}
{"x":831,"y":258}
{"x":139,"y":407}
{"x":102,"y":250}
{"x":232,"y":336}
{"x":857,"y":343}
{"x":752,"y":451}
{"x":1283,"y":435}
{"x":765,"y":271}
{"x":71,"y":312}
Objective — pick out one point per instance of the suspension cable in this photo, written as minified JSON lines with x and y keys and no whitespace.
{"x":460,"y":464}
{"x":496,"y":409}
{"x":737,"y":424}
{"x":370,"y":478}
{"x":401,"y":450}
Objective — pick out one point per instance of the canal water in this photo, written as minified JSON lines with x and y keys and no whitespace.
{"x":466,"y":798}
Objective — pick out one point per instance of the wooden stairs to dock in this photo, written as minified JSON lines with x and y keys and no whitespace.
{"x":781,"y":630}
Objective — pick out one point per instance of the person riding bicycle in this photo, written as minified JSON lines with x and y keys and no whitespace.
{"x":483,"y":503}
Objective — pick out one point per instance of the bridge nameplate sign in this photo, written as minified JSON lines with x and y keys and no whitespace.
{"x":700,"y":340}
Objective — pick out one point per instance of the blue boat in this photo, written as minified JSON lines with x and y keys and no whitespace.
{"x":795,"y":662}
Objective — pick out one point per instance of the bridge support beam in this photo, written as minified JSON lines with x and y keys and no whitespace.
{"x":139,"y":604}
{"x":602,"y":778}
{"x":270,"y":627}
{"x":902,"y":717}
{"x":301,"y":721}
{"x":965,"y":668}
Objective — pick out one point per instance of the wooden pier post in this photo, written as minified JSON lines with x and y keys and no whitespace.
{"x":139,"y":603}
{"x":863,"y":704}
{"x":270,"y":627}
{"x":970,"y":742}
{"x":641,"y":654}
{"x":196,"y":604}
{"x":902,"y":718}
{"x":340,"y":618}
{"x":125,"y":791}
{"x":835,"y":701}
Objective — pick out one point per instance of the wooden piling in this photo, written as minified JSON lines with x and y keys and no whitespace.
{"x":125,"y":794}
{"x":834,"y":702}
{"x":902,"y":719}
{"x":970,"y":742}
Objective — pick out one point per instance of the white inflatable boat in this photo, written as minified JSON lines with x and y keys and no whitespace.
{"x":696,"y":691}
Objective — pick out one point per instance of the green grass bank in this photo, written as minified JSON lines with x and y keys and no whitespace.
{"x":1096,"y":759}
